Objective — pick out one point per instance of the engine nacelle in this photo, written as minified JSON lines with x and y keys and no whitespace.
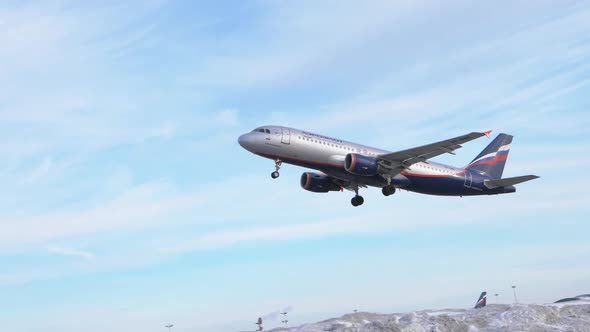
{"x":361,"y":165}
{"x":318,"y":183}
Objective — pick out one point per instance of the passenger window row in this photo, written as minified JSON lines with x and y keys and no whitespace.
{"x":332,"y":145}
{"x":448,"y":171}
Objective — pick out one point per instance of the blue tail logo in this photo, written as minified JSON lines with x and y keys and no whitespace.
{"x":491,"y":161}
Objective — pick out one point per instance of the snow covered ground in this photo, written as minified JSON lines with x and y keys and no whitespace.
{"x":569,"y":316}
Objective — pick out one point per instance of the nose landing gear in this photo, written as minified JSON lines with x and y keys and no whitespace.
{"x":276,"y":173}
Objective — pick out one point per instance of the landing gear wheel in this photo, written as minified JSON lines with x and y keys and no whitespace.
{"x":278,"y":164}
{"x":357,"y":200}
{"x":388,"y":190}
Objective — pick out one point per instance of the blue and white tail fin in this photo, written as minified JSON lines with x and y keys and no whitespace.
{"x":481,"y":302}
{"x":491,"y":161}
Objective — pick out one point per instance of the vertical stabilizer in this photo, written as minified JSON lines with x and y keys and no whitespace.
{"x":481,"y":302}
{"x":491,"y":161}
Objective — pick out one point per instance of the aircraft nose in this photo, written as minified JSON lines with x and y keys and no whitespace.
{"x":246,"y":141}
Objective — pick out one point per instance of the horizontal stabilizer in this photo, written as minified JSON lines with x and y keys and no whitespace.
{"x":491,"y":184}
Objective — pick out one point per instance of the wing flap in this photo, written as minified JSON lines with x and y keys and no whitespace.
{"x":491,"y":184}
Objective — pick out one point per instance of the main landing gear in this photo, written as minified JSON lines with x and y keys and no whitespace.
{"x":276,"y":173}
{"x":388,"y":190}
{"x":357,"y":200}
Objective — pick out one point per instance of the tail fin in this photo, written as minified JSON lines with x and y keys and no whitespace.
{"x":491,"y":161}
{"x":481,"y":302}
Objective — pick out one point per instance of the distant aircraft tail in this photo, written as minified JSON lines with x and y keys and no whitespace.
{"x":491,"y":161}
{"x":481,"y":302}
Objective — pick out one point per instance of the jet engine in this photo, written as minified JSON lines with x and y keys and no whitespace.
{"x":318,"y":183}
{"x":361,"y":165}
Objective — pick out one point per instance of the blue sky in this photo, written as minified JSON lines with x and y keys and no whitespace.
{"x":127,"y":203}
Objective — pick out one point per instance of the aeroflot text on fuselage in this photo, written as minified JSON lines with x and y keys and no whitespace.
{"x":346,"y":165}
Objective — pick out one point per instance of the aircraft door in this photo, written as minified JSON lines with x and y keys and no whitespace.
{"x":286,"y":135}
{"x":468,"y":180}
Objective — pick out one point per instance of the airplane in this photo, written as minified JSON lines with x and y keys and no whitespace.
{"x":481,"y":302}
{"x":347,"y":165}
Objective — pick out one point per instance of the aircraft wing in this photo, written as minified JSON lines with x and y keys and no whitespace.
{"x":398,"y":161}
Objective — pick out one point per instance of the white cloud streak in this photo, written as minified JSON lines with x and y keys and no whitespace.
{"x":70,"y":252}
{"x":297,"y":42}
{"x":40,"y":171}
{"x":228,"y":117}
{"x":137,"y":207}
{"x":375,"y":223}
{"x":531,"y":74}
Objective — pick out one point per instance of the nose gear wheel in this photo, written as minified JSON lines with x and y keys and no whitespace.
{"x":276,"y":173}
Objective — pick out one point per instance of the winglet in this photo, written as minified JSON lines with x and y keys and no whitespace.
{"x":487,"y":133}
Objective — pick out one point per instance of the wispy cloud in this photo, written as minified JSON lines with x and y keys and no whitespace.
{"x":70,"y":252}
{"x":228,"y":117}
{"x":137,"y":207}
{"x":40,"y":171}
{"x":293,"y":42}
{"x":533,"y":72}
{"x":372,"y":223}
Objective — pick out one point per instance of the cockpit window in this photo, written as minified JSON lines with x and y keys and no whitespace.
{"x":261,"y":130}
